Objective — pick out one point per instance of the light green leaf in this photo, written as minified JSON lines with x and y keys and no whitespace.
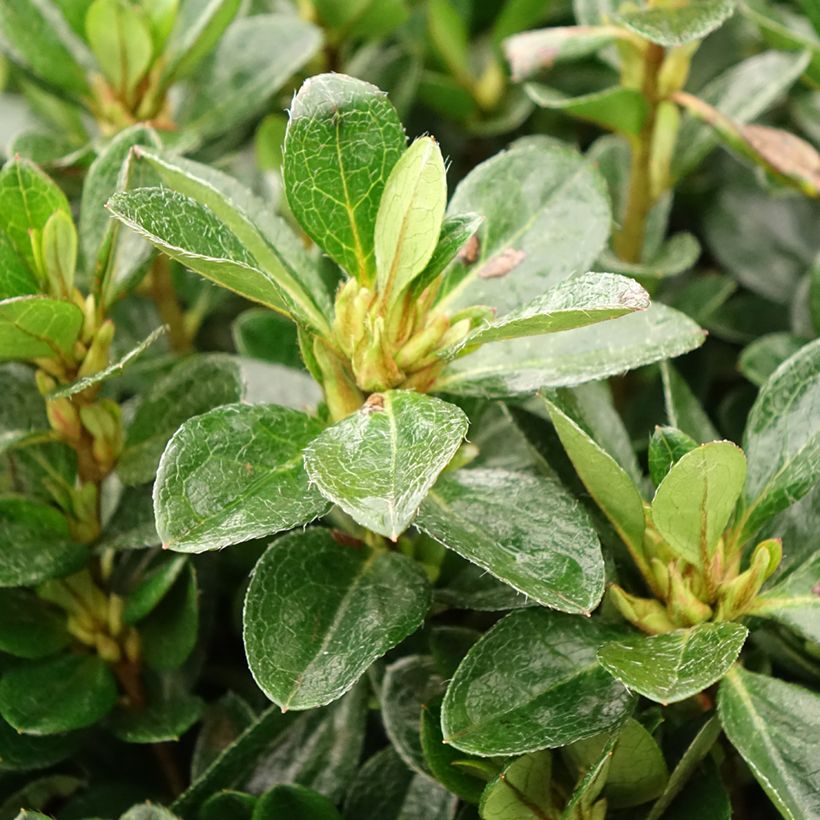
{"x":576,"y":302}
{"x":318,"y":613}
{"x":774,"y":725}
{"x":683,"y":409}
{"x":521,"y":791}
{"x":29,"y":628}
{"x":550,"y":688}
{"x":617,"y":108}
{"x":782,"y":438}
{"x":695,"y":501}
{"x":676,"y":25}
{"x":152,"y":588}
{"x":521,"y":367}
{"x":16,"y":278}
{"x":794,"y":601}
{"x":233,"y":474}
{"x":236,"y":82}
{"x":742,"y":94}
{"x":455,"y":234}
{"x":120,"y":38}
{"x":532,"y":237}
{"x":676,"y":665}
{"x":608,"y":483}
{"x":666,"y":447}
{"x":379,"y":463}
{"x":333,"y":186}
{"x":523,"y":529}
{"x":637,"y":770}
{"x":58,"y":694}
{"x":410,"y":214}
{"x":36,"y":544}
{"x":38,"y":327}
{"x":582,"y":801}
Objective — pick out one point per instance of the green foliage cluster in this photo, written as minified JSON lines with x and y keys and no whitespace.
{"x":410,"y":410}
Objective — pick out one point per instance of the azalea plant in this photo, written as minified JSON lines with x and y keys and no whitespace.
{"x":352,"y":475}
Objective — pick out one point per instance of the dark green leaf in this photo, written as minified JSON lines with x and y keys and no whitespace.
{"x":294,"y":801}
{"x":152,"y":588}
{"x":317,"y":614}
{"x":167,"y":717}
{"x":455,"y":233}
{"x":551,"y":692}
{"x":223,"y":722}
{"x":29,"y":628}
{"x":795,"y":601}
{"x":682,"y":407}
{"x":226,"y":803}
{"x":666,"y":447}
{"x":764,"y":355}
{"x":19,"y":752}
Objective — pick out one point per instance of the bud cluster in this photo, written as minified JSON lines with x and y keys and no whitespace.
{"x":687,"y":595}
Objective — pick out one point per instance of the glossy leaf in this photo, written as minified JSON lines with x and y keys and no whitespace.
{"x":553,"y":691}
{"x":532,"y":237}
{"x":523,"y":529}
{"x":666,"y":447}
{"x":794,"y":601}
{"x":342,"y":142}
{"x":521,"y":791}
{"x":379,"y":463}
{"x":782,"y":438}
{"x":773,"y":725}
{"x":696,"y":499}
{"x":58,"y":694}
{"x":317,"y":614}
{"x":235,"y":473}
{"x":676,"y":25}
{"x":410,"y":214}
{"x":521,"y":367}
{"x":38,"y":327}
{"x":676,"y":665}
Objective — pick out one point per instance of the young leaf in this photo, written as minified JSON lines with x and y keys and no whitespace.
{"x":233,"y":474}
{"x":36,"y":544}
{"x":455,"y":233}
{"x":521,"y":791}
{"x":525,"y":530}
{"x":16,"y":278}
{"x":674,"y":666}
{"x":782,"y":438}
{"x":521,"y":367}
{"x":582,"y":802}
{"x":613,"y":490}
{"x":554,"y":691}
{"x":575,"y":302}
{"x":36,"y":326}
{"x":676,"y":25}
{"x":317,"y":614}
{"x":379,"y":463}
{"x":152,"y":588}
{"x":29,"y":628}
{"x":410,"y":214}
{"x":58,"y":694}
{"x":294,"y":801}
{"x":666,"y":447}
{"x":531,"y":238}
{"x":334,"y":187}
{"x":696,"y":499}
{"x":774,"y":726}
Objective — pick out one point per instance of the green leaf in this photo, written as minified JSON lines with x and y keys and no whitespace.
{"x":333,"y":186}
{"x":608,"y":483}
{"x":525,"y":530}
{"x":120,"y":38}
{"x":277,"y":251}
{"x":223,"y":722}
{"x":676,"y":255}
{"x":455,"y":233}
{"x":582,"y":802}
{"x":37,"y":37}
{"x":774,"y":725}
{"x":168,"y":634}
{"x":470,"y":587}
{"x":385,"y":789}
{"x":408,"y":222}
{"x":263,"y":334}
{"x":294,"y":801}
{"x":36,"y":544}
{"x":22,"y":411}
{"x":763,"y":356}
{"x":27,"y":199}
{"x":56,"y":695}
{"x":193,"y":386}
{"x":617,"y":108}
{"x":782,"y":438}
{"x":148,"y":811}
{"x":676,"y":25}
{"x":317,"y":614}
{"x":226,"y":803}
{"x":194,"y":235}
{"x":167,"y":717}
{"x":637,"y":770}
{"x":696,"y":499}
{"x":20,"y":752}
{"x":408,"y":685}
{"x":683,"y":409}
{"x":152,"y":588}
{"x":236,"y":82}
{"x":521,"y":791}
{"x":666,"y":447}
{"x":742,"y":94}
{"x":794,"y":601}
{"x":521,"y":367}
{"x":29,"y":628}
{"x":233,"y":474}
{"x":16,"y":278}
{"x":706,"y":797}
{"x":552,"y":690}
{"x":697,"y":750}
{"x":531,"y":237}
{"x":674,"y":666}
{"x":576,"y":302}
{"x":39,"y":793}
{"x":34,"y":327}
{"x":379,"y":463}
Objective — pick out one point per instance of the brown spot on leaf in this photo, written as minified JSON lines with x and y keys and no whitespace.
{"x":346,"y":540}
{"x":374,"y":403}
{"x":785,"y":152}
{"x":469,"y":253}
{"x":502,"y":263}
{"x":815,"y":590}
